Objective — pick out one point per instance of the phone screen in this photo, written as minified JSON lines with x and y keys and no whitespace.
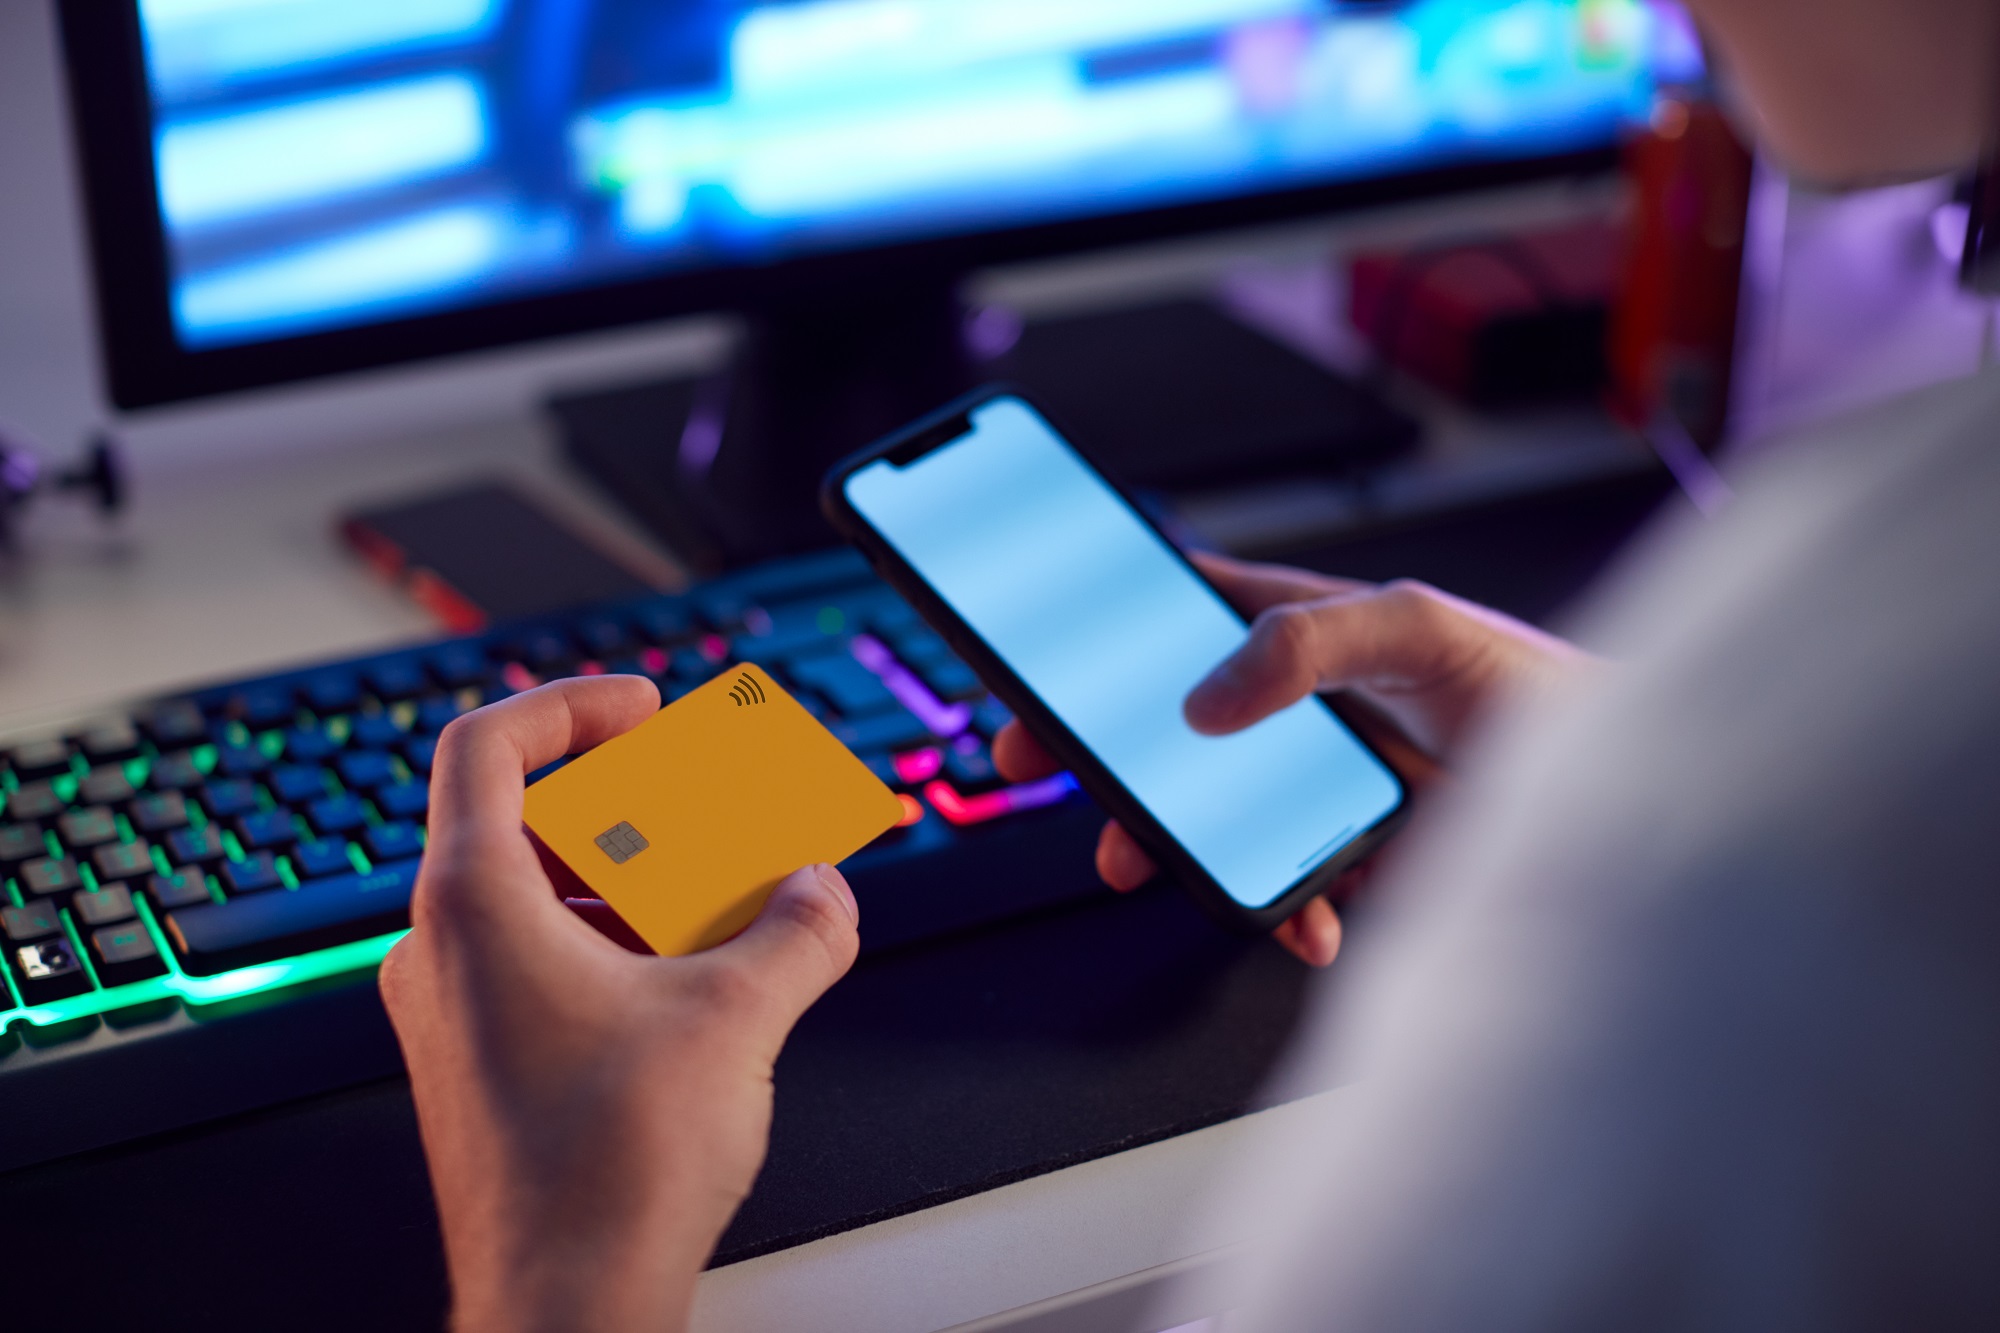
{"x":1102,"y":620}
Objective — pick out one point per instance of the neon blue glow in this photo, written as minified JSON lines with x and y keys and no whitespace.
{"x":196,"y":45}
{"x":1096,"y":615}
{"x":374,"y":270}
{"x":790,"y":50}
{"x":310,"y":151}
{"x":243,"y":164}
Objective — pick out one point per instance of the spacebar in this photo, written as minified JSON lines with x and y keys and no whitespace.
{"x":216,"y":937}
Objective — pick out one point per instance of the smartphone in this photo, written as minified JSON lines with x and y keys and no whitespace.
{"x":1082,"y":617}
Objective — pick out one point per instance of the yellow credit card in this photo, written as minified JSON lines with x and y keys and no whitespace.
{"x":688,"y":821}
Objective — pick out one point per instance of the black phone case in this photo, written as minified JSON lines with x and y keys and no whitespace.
{"x":947,"y":424}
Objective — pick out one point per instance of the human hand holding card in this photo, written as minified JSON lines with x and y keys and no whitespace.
{"x":686,"y":823}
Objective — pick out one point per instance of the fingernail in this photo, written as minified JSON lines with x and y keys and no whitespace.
{"x":836,"y":884}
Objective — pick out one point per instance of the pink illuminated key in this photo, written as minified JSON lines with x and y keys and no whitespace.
{"x":919,"y":765}
{"x":962,"y":810}
{"x":518,"y":678}
{"x":913,"y":810}
{"x":654,"y":661}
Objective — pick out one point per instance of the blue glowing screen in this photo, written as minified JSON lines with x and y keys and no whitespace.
{"x":328,"y":163}
{"x":1098,"y":616}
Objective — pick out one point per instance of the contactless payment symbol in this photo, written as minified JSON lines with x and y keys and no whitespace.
{"x":621,"y":842}
{"x":746,"y":690}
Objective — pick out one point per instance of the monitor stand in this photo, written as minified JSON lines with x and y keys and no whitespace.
{"x":1173,"y":397}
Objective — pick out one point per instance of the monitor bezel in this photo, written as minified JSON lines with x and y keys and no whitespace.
{"x":145,"y":364}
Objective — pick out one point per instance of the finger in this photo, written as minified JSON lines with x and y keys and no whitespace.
{"x":1020,"y":757}
{"x":1253,"y":588}
{"x":476,"y":777}
{"x":1121,"y":862}
{"x":803,"y":941}
{"x":1312,"y":933}
{"x":1395,"y":634}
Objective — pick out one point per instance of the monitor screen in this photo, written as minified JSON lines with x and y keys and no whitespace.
{"x":328,"y":164}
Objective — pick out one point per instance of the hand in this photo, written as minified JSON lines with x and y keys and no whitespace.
{"x":1423,"y":664}
{"x":592,"y":1117}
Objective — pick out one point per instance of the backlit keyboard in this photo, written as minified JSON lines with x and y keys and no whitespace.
{"x":214,"y":853}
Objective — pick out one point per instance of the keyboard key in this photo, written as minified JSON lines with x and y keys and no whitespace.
{"x":124,"y":954}
{"x":365,"y":768}
{"x":396,"y":680}
{"x":216,"y":937}
{"x":103,"y":907}
{"x":34,"y":801}
{"x":419,"y":753}
{"x":266,"y":828}
{"x":543,"y":651}
{"x":40,"y":759}
{"x":174,"y":772}
{"x":122,"y":861}
{"x":106,"y":786}
{"x":48,"y":970}
{"x":989,"y":716}
{"x":87,"y":827}
{"x":376,"y":731}
{"x":158,"y":812}
{"x":404,"y":800}
{"x":899,"y":730}
{"x":253,"y":874}
{"x":392,"y":842}
{"x":327,"y":692}
{"x":21,"y":842}
{"x":953,"y":681}
{"x":920,"y":646}
{"x":970,"y":767}
{"x":322,"y":857}
{"x":109,"y":742}
{"x":50,"y":875}
{"x":691,"y":665}
{"x":31,"y":922}
{"x":241,"y":761}
{"x":297,"y":784}
{"x":183,"y":888}
{"x":435,"y":714}
{"x":337,"y":814}
{"x":309,"y":745}
{"x":174,"y":724}
{"x":261,"y":707}
{"x":229,"y":797}
{"x":850,"y":687}
{"x":457,"y":665}
{"x":603,"y":636}
{"x":195,"y":847}
{"x":663,"y":622}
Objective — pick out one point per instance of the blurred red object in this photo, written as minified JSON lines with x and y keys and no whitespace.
{"x":1494,"y":320}
{"x":1673,"y":333}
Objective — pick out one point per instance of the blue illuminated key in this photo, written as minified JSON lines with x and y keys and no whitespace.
{"x":322,"y":857}
{"x":392,"y":842}
{"x":337,"y":814}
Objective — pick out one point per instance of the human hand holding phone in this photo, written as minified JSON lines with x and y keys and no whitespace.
{"x":592,"y":1117}
{"x":1425,"y":664}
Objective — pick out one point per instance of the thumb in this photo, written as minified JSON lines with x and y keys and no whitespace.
{"x":803,"y":941}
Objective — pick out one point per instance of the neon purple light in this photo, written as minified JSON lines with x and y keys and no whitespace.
{"x":943,"y":719}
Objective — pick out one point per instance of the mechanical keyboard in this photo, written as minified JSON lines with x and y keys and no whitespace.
{"x":198,"y":887}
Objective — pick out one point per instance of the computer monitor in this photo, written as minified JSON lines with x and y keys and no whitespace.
{"x":282,"y":189}
{"x":287,"y":188}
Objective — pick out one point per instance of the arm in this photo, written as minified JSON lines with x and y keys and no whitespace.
{"x":592,"y":1117}
{"x":1425,"y":666}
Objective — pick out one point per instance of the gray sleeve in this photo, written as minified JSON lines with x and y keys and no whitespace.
{"x":1685,"y":1011}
